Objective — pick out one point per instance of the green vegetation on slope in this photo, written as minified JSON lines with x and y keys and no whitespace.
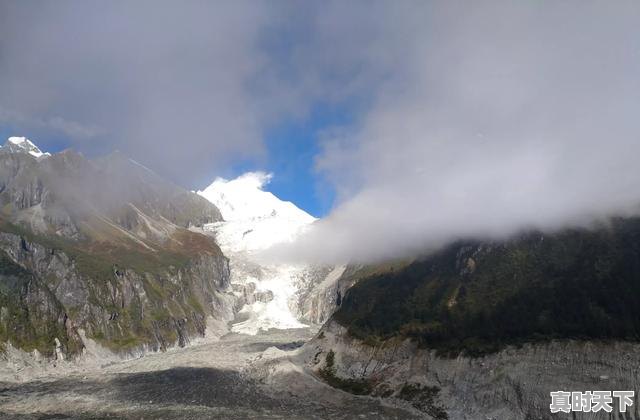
{"x":424,"y":398}
{"x":353,"y":386}
{"x":170,"y":306}
{"x":104,"y":246}
{"x":478,"y":297}
{"x":30,"y":317}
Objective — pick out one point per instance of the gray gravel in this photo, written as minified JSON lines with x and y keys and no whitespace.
{"x":207,"y":381}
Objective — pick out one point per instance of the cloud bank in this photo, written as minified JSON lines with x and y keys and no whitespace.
{"x":494,"y":117}
{"x":179,"y":86}
{"x":189,"y":88}
{"x":468,"y":118}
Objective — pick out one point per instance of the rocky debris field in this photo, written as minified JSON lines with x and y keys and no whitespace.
{"x":214,"y":380}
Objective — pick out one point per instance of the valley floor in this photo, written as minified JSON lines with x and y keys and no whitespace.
{"x":215,"y":380}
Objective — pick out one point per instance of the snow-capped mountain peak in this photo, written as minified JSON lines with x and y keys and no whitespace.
{"x":254,"y":219}
{"x":243,"y":198}
{"x":24,"y":145}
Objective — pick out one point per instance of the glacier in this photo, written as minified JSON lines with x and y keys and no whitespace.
{"x":254,"y":220}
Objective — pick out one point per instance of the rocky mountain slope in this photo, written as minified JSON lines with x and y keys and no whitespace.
{"x":105,"y":250}
{"x":513,"y":383}
{"x":486,"y":329}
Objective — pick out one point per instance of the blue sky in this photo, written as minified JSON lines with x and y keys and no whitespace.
{"x":292,"y":147}
{"x":198,"y":101}
{"x":291,"y":150}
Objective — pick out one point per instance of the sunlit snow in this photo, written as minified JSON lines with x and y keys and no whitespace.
{"x":255,"y":220}
{"x":26,"y":145}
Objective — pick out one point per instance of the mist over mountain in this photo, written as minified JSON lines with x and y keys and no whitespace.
{"x":494,"y":118}
{"x":363,"y":209}
{"x":460,"y":119}
{"x":102,"y":251}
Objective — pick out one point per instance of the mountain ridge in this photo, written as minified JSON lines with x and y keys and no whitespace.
{"x":22,"y":144}
{"x":487,"y":328}
{"x":478,"y":296}
{"x":113,"y":247}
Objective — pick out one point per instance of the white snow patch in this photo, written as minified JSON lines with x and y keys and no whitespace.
{"x":279,"y":280}
{"x":244,"y":199}
{"x":255,"y":220}
{"x":24,"y":144}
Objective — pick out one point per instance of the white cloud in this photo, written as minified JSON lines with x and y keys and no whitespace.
{"x":494,"y":117}
{"x":471,"y":118}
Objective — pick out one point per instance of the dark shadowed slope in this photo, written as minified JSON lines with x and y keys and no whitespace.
{"x":478,"y":296}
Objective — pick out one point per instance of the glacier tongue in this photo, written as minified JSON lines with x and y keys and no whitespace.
{"x":255,"y":220}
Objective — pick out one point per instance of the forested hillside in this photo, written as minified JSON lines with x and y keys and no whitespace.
{"x":478,"y":296}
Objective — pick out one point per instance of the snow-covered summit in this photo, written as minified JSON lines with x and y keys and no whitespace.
{"x":244,"y":198}
{"x":254,"y":219}
{"x":23,"y":145}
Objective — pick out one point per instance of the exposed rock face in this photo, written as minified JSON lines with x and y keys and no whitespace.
{"x":320,"y":292}
{"x":68,"y":195}
{"x":106,"y":247}
{"x":30,"y":315}
{"x":128,"y":312}
{"x":321,"y":289}
{"x":512,"y":384}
